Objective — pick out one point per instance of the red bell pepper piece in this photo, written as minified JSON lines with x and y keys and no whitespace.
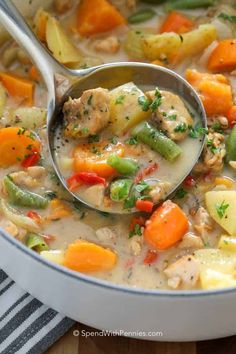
{"x":32,"y":159}
{"x":79,"y":178}
{"x":136,"y":221}
{"x":189,"y":182}
{"x":145,"y":172}
{"x":35,"y":216}
{"x":150,"y":257}
{"x":144,"y":205}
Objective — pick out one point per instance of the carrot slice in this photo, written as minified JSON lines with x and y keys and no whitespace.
{"x":16,"y":144}
{"x":96,"y":16}
{"x":84,"y":256}
{"x":167,"y":225}
{"x":231,"y":116}
{"x":223,"y":57}
{"x":176,"y":22}
{"x":18,"y":87}
{"x":214,"y":90}
{"x":34,"y":73}
{"x":86,"y":160}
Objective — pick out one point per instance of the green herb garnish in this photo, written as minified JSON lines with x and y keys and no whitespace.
{"x":221,"y":209}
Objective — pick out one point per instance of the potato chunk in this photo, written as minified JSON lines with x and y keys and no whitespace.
{"x":125,"y":109}
{"x":221,"y":206}
{"x":173,"y":47}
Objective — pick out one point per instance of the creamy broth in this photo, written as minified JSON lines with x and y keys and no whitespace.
{"x":188,"y":242}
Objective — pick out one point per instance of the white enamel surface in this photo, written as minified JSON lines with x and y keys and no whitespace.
{"x":179,"y":317}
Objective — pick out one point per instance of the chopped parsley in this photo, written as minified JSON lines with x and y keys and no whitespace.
{"x":212,"y":146}
{"x":217,"y":127}
{"x":84,"y":131}
{"x":181,"y":128}
{"x":50,"y":195}
{"x":157,"y":101}
{"x":94,"y":138}
{"x":197,"y":131}
{"x":120,"y":99}
{"x":227,"y":17}
{"x":96,"y":151}
{"x":114,"y":140}
{"x":137,"y":231}
{"x":130,"y":202}
{"x":132,"y":141}
{"x":181,"y":193}
{"x":141,"y":186}
{"x":172,"y":116}
{"x":144,"y":102}
{"x":221,"y":209}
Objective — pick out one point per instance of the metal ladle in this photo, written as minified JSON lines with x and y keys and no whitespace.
{"x":107,"y":76}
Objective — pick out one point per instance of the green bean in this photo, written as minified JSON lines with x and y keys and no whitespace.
{"x":188,"y":4}
{"x":36,"y":242}
{"x":21,"y":197}
{"x":119,"y":189}
{"x":157,"y":141}
{"x":141,"y":16}
{"x":123,"y":166}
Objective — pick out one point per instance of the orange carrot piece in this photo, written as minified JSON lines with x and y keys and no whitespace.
{"x":231,"y":116}
{"x":166,"y":227}
{"x":96,"y":16}
{"x":86,"y":161}
{"x":15,"y":144}
{"x":223,"y":57}
{"x":34,"y":73}
{"x":84,"y":256}
{"x":217,"y":98}
{"x":214,"y":90}
{"x":194,"y":77}
{"x":18,"y":87}
{"x":41,"y":29}
{"x":176,"y":22}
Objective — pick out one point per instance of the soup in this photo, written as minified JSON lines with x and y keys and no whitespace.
{"x":118,"y":149}
{"x":113,"y":137}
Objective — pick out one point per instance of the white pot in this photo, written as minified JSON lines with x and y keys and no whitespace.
{"x":173,"y":316}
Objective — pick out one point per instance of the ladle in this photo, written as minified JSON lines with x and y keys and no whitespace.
{"x":107,"y":76}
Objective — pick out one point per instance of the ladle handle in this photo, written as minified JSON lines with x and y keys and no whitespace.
{"x":16,"y":25}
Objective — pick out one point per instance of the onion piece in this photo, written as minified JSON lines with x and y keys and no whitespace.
{"x":18,"y":219}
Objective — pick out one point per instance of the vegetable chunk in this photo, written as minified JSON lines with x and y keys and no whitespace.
{"x":214,"y":90}
{"x":59,"y":43}
{"x":15,"y":144}
{"x":223,"y":57}
{"x":167,"y":226}
{"x":126,"y":108}
{"x":174,"y":47}
{"x":221,"y":206}
{"x":84,"y":256}
{"x":96,"y":16}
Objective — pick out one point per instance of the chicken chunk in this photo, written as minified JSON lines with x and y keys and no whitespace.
{"x":105,"y":234}
{"x":88,"y":114}
{"x":108,"y":45}
{"x":126,"y":7}
{"x":94,"y":195}
{"x":191,"y":241}
{"x":31,"y":178}
{"x":213,"y":154}
{"x":160,"y":191}
{"x":172,"y":116}
{"x":61,"y":6}
{"x":184,"y":273}
{"x":202,"y":222}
